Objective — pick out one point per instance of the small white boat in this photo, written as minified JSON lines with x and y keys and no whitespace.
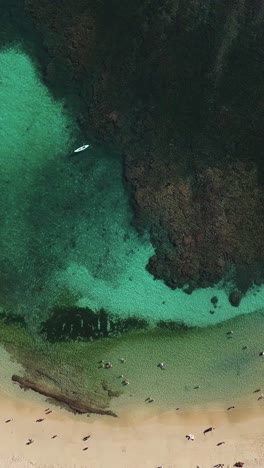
{"x":82,"y":148}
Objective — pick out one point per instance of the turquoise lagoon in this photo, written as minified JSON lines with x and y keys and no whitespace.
{"x":66,"y":232}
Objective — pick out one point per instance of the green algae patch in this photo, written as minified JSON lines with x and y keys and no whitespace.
{"x":82,"y":323}
{"x":224,"y":368}
{"x":173,"y":326}
{"x":68,"y":373}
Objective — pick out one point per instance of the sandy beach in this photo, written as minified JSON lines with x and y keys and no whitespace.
{"x":145,"y":439}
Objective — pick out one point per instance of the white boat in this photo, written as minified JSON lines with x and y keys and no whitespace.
{"x":82,"y":148}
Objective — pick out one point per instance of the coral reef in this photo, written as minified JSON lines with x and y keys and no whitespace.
{"x":202,"y":224}
{"x":178,"y":87}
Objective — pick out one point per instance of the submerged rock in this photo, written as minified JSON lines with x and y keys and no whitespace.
{"x":172,"y":325}
{"x":235,"y":298}
{"x":10,"y":318}
{"x":196,"y":222}
{"x":214,"y":300}
{"x":76,"y":405}
{"x":75,"y":323}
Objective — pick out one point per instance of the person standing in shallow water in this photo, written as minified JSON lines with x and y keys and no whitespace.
{"x":161,"y":365}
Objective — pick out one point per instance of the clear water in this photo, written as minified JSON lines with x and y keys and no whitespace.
{"x":66,"y":231}
{"x":204,"y":357}
{"x":66,"y":221}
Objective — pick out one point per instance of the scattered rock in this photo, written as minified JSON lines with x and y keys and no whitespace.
{"x":235,"y":298}
{"x":214,"y":300}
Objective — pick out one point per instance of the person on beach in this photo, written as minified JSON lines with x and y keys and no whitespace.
{"x":209,"y":429}
{"x":189,"y":437}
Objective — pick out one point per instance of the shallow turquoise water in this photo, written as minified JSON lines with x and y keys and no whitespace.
{"x":66,"y":232}
{"x":67,"y":221}
{"x":204,"y":357}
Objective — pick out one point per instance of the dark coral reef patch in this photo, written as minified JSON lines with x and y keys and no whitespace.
{"x":177,"y":86}
{"x":75,"y":323}
{"x":205,"y":226}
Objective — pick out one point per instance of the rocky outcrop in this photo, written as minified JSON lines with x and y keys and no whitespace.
{"x":235,"y":298}
{"x":203,"y":223}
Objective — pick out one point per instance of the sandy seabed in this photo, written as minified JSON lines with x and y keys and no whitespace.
{"x":147,"y":438}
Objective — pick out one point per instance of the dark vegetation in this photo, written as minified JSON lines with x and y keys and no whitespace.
{"x":71,"y":323}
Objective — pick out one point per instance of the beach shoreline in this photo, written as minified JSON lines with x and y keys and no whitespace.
{"x":149,"y":438}
{"x":144,"y":435}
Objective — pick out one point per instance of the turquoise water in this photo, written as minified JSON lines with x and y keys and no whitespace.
{"x":225,"y":371}
{"x":66,"y":232}
{"x":67,"y":221}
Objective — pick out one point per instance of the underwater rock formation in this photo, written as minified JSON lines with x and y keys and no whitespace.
{"x":235,"y":298}
{"x":71,"y":323}
{"x":202,"y":223}
{"x":77,"y":406}
{"x":76,"y":323}
{"x":178,"y":87}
